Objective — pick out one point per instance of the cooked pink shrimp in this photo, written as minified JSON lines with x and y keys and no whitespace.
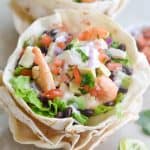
{"x":45,"y":79}
{"x":105,"y":89}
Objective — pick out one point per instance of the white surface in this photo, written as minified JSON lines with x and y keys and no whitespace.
{"x":136,"y":12}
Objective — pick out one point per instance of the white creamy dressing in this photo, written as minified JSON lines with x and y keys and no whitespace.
{"x":119,"y":77}
{"x":67,"y":94}
{"x":61,"y":37}
{"x":73,"y":57}
{"x":117,"y":53}
{"x":53,"y":50}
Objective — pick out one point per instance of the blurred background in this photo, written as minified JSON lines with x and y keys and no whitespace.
{"x":135,"y":12}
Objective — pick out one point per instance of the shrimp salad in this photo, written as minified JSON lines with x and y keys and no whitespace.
{"x":60,"y":75}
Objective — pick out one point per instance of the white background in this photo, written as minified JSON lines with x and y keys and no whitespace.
{"x":136,"y":12}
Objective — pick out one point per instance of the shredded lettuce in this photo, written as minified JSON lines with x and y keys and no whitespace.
{"x":77,"y":102}
{"x":61,"y":105}
{"x":21,"y":85}
{"x":117,"y":107}
{"x":102,"y":109}
{"x":18,"y":70}
{"x":119,"y":98}
{"x":126,"y":82}
{"x":80,"y":118}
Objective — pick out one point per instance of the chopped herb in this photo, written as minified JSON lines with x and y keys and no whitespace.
{"x":83,"y":91}
{"x":73,"y":43}
{"x":27,"y":43}
{"x":124,"y":62}
{"x":88,"y":79}
{"x":76,"y":45}
{"x":83,"y":55}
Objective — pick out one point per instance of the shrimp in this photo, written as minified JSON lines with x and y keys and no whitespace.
{"x":105,"y":89}
{"x":45,"y":78}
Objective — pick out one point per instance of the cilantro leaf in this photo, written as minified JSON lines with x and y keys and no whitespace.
{"x":83,"y":55}
{"x":88,"y":79}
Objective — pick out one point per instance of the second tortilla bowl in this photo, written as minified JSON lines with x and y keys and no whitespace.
{"x":26,"y":11}
{"x":76,"y":73}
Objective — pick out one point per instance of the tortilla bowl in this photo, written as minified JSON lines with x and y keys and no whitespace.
{"x":25,"y":12}
{"x":26,"y":132}
{"x":65,"y":133}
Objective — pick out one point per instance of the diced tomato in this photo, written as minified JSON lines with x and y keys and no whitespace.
{"x":55,"y":70}
{"x":45,"y":40}
{"x":94,"y":92}
{"x":93,"y":33}
{"x":51,"y":94}
{"x":112,"y":66}
{"x":62,"y":45}
{"x":26,"y":72}
{"x":86,"y":88}
{"x":77,"y":75}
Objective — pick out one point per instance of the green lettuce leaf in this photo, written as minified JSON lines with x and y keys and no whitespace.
{"x":18,"y":70}
{"x":80,"y":118}
{"x":21,"y":85}
{"x":126,"y":82}
{"x":77,"y":102}
{"x":102,"y":109}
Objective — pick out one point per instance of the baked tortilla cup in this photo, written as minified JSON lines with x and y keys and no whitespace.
{"x":24,"y":12}
{"x":41,"y":136}
{"x":71,"y":20}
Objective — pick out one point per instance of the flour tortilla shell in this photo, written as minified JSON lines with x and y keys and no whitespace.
{"x":25,"y":11}
{"x":71,"y":19}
